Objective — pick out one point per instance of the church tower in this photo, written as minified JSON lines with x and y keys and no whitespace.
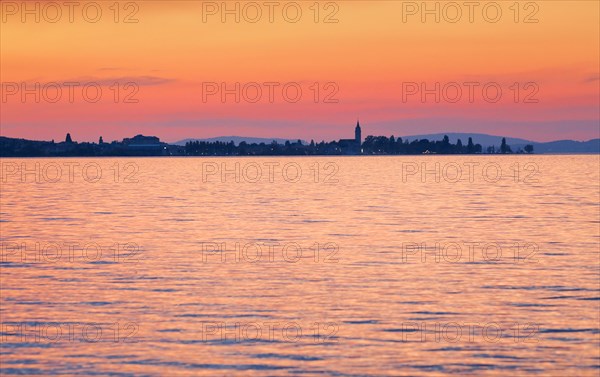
{"x":357,"y":134}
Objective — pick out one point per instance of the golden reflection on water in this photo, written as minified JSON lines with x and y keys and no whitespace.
{"x":124,"y":280}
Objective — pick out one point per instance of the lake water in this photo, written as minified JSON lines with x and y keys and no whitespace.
{"x":329,"y":266}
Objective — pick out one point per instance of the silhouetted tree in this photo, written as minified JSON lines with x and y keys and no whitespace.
{"x":505,"y":148}
{"x":459,"y":146}
{"x":68,"y":138}
{"x":470,"y":146}
{"x":399,"y":148}
{"x":391,"y":147}
{"x":445,"y":147}
{"x":529,"y":148}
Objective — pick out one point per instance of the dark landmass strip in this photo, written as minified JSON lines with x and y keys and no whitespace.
{"x":560,"y":146}
{"x":372,"y":145}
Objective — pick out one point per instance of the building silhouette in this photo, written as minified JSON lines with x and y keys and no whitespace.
{"x":352,"y":146}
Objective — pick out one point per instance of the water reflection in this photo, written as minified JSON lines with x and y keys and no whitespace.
{"x":322,"y":266}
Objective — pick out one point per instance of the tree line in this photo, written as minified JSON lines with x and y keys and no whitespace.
{"x":373,"y":145}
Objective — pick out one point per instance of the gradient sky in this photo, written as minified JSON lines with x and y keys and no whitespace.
{"x":369,"y":53}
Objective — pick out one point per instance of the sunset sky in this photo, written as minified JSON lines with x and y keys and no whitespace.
{"x":363,"y":65}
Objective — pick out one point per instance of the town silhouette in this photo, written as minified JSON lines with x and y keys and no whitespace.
{"x":141,"y":145}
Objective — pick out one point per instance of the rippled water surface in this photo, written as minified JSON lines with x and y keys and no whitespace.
{"x":317,"y":274}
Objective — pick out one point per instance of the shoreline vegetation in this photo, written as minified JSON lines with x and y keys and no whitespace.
{"x":152,"y":146}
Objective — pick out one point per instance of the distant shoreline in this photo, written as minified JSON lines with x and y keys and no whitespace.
{"x":151,"y":146}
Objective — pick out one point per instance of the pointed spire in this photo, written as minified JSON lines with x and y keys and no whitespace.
{"x":358,"y":132}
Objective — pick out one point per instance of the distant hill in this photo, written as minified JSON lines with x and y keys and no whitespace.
{"x":568,"y":146}
{"x":560,"y":146}
{"x":238,"y":139}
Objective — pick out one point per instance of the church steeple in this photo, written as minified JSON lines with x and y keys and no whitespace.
{"x":357,"y":133}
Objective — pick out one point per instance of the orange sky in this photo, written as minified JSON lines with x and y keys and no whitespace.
{"x":367,"y":56}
